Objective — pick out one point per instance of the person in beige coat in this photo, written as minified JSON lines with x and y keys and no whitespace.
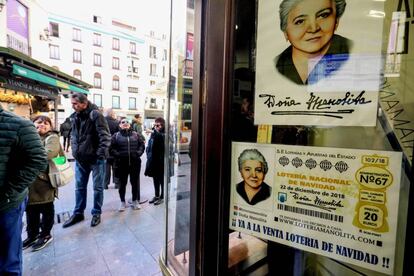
{"x":41,"y":192}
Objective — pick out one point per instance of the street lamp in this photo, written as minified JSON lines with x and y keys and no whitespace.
{"x":45,"y":35}
{"x":2,"y":4}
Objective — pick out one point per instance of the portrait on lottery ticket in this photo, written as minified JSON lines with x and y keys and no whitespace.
{"x":251,"y":175}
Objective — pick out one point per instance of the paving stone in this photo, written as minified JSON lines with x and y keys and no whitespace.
{"x":125,"y":243}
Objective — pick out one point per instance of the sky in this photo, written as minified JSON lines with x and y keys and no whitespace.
{"x":140,"y":13}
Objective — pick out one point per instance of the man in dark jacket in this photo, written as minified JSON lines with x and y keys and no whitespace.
{"x":22,"y":157}
{"x":113,"y":128}
{"x":90,"y":141}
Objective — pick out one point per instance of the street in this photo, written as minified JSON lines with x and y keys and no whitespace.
{"x":125,"y":243}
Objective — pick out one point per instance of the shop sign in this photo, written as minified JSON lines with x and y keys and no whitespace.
{"x":328,"y":77}
{"x":31,"y":74}
{"x":30,"y":88}
{"x":338,"y":203}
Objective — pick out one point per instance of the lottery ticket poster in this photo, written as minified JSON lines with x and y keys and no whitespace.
{"x":339,"y":203}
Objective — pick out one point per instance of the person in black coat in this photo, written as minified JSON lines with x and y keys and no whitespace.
{"x":126,"y":148}
{"x":113,"y":125}
{"x":155,"y":160}
{"x":90,"y":140}
{"x":65,"y":130}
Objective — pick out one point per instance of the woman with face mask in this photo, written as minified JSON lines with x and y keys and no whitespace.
{"x":40,"y":210}
{"x":316,"y":52}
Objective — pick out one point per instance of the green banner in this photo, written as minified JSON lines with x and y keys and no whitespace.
{"x":30,"y":74}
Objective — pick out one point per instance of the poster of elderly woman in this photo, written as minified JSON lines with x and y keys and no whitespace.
{"x":251,"y":176}
{"x":318,"y":62}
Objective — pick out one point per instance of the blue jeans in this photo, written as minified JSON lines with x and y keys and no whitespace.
{"x":82,"y":172}
{"x":11,"y":240}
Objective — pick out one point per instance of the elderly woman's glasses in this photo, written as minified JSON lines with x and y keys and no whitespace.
{"x":124,"y":122}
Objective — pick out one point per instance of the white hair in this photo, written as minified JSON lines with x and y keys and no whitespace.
{"x":252,"y":154}
{"x":287,"y":5}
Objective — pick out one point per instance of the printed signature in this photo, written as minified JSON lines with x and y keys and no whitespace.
{"x":317,"y":201}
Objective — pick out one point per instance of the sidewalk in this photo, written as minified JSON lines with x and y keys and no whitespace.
{"x":125,"y":243}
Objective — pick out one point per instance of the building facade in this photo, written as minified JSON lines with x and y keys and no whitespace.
{"x":121,"y":65}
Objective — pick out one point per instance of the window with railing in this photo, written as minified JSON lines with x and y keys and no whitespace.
{"x":133,"y":89}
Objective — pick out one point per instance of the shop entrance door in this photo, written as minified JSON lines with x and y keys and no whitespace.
{"x":305,"y":138}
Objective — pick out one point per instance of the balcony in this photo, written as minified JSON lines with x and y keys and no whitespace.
{"x":133,"y":72}
{"x":18,"y":45}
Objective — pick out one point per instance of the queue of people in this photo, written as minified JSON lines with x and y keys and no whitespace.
{"x":100,"y":145}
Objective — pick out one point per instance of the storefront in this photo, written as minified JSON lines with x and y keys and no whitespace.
{"x":29,"y":87}
{"x":302,"y":139}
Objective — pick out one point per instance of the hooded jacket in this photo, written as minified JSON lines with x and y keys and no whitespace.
{"x":90,"y":136}
{"x":22,"y":157}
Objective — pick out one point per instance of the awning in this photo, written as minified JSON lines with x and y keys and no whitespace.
{"x":31,"y":74}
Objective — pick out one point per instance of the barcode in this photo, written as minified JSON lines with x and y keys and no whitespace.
{"x":311,"y":213}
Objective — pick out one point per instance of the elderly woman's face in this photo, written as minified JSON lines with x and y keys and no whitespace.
{"x":252,"y":172}
{"x":311,"y":25}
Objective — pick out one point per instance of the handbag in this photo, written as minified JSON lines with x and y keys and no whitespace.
{"x":60,"y":171}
